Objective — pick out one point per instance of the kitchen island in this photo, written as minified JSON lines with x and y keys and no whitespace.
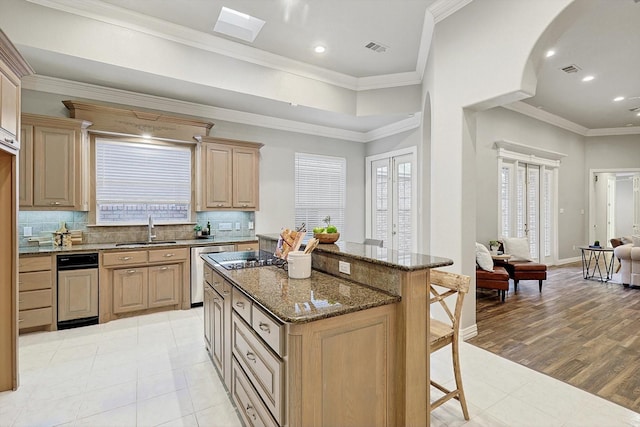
{"x":334,"y":349}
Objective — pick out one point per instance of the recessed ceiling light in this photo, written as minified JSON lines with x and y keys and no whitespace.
{"x":588,"y":78}
{"x":618,"y":98}
{"x":237,"y":24}
{"x":638,"y":114}
{"x":319,"y":49}
{"x":550,"y":53}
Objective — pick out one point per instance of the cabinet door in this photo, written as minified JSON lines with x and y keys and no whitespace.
{"x":25,"y":167}
{"x":164,"y":285}
{"x":10,"y":106}
{"x":54,"y":152}
{"x":245,"y":178}
{"x":218,"y":176}
{"x":130,"y":289}
{"x":217,"y":332}
{"x":208,"y":315}
{"x":77,"y":294}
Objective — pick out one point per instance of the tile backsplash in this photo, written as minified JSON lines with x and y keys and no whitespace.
{"x":42,"y":223}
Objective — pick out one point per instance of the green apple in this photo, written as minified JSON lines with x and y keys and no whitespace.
{"x":332,"y":229}
{"x":318,"y":230}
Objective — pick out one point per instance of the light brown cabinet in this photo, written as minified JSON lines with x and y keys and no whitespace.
{"x":230,"y":174}
{"x":143,"y":280}
{"x":54,"y":149}
{"x":10,"y":104}
{"x":77,"y":294}
{"x":217,"y":307}
{"x":36,"y":293}
{"x":249,"y":246}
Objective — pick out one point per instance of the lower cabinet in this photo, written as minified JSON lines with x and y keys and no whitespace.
{"x":36,"y":293}
{"x":130,"y":289}
{"x":164,"y":285}
{"x":217,"y":321}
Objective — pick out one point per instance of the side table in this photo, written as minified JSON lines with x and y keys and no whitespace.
{"x":591,"y":263}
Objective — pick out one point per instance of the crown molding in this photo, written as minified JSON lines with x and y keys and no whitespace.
{"x":133,"y":99}
{"x":544,"y":116}
{"x":552,"y":119}
{"x":442,"y":9}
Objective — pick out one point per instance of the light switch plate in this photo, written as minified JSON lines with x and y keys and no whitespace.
{"x":28,"y":231}
{"x":250,"y":226}
{"x":344,"y":267}
{"x":237,"y":226}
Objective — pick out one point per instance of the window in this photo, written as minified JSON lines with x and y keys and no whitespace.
{"x":320,"y":190}
{"x":135,"y":180}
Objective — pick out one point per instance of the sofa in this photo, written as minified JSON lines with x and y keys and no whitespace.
{"x":629,"y":256}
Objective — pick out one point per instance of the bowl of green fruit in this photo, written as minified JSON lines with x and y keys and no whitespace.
{"x":328,"y":234}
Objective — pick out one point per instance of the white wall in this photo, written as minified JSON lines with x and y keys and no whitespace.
{"x":277,"y":197}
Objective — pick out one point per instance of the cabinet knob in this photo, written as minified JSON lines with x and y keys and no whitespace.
{"x":55,"y":203}
{"x":219,"y":205}
{"x":169,"y":255}
{"x":240,"y":304}
{"x":10,"y":141}
{"x":264,"y":327}
{"x":251,"y":356}
{"x":130,"y":271}
{"x":125,"y":258}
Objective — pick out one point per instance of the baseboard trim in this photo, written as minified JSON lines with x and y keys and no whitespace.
{"x":568,"y":260}
{"x":469,"y":332}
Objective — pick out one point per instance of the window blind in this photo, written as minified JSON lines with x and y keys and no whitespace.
{"x":320,"y":190}
{"x":134,"y":180}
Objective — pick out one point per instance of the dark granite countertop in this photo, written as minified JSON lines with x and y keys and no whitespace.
{"x":44,"y":249}
{"x":374,"y":254}
{"x":304,"y":300}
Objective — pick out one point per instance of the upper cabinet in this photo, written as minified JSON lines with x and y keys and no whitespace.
{"x":53,"y":163}
{"x":229,"y":174}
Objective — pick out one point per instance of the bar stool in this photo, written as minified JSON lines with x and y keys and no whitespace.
{"x":442,"y":334}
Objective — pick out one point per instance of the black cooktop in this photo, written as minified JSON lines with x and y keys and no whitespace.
{"x":245,"y":259}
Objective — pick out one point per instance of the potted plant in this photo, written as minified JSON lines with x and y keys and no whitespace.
{"x":493,"y":246}
{"x":198,"y":230}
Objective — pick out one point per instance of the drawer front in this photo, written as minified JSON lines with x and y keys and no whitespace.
{"x":35,"y":317}
{"x":124,"y":258}
{"x":161,"y":255}
{"x":34,"y":280}
{"x":35,"y":263}
{"x":208,"y":274}
{"x":220,"y":285}
{"x":252,"y":410}
{"x":268,"y":329}
{"x":35,"y":299}
{"x":263,"y":368}
{"x":252,"y":246}
{"x":242,"y":305}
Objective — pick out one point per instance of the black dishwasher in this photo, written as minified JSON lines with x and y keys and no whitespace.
{"x":77,"y":290}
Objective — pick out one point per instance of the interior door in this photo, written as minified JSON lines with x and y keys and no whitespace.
{"x":636,"y":204}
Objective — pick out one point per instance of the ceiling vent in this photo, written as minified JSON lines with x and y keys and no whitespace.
{"x":376,"y":47}
{"x":571,"y":69}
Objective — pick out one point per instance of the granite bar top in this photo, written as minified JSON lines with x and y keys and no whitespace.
{"x":44,"y":249}
{"x":376,"y":255}
{"x":303,"y":300}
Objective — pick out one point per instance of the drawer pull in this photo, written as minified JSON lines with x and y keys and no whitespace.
{"x":125,"y":258}
{"x":264,"y":327}
{"x":164,"y":268}
{"x":251,"y":356}
{"x":20,"y":320}
{"x":250,"y":411}
{"x":240,"y":304}
{"x":55,"y":203}
{"x":130,"y":271}
{"x":9,"y":140}
{"x":225,"y":292}
{"x":216,"y":299}
{"x":169,"y":255}
{"x":219,"y":205}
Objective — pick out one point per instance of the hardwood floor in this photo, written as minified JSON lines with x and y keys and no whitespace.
{"x":582,"y":332}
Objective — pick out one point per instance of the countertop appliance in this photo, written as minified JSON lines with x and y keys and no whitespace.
{"x":246,"y":259}
{"x":197,"y":269}
{"x":77,"y":286}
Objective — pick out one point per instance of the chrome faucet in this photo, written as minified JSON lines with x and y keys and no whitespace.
{"x":150,"y":227}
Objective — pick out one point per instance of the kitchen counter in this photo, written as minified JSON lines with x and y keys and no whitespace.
{"x":304,"y":300}
{"x":44,"y":249}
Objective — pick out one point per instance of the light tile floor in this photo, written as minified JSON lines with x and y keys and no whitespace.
{"x":153,"y":370}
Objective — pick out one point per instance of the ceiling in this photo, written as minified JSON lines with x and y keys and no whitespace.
{"x":604,"y":42}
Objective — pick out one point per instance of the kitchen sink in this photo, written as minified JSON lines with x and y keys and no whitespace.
{"x":155,"y":242}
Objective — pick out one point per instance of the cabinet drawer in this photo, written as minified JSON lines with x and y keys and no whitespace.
{"x":252,"y":246}
{"x":124,"y":258}
{"x":262,"y":367}
{"x":35,"y":299}
{"x":252,"y":410}
{"x":220,"y":285}
{"x":34,"y":280}
{"x":268,"y":329}
{"x":242,"y":305}
{"x":160,"y":255}
{"x":35,"y":317}
{"x":208,"y":274}
{"x":36,"y":263}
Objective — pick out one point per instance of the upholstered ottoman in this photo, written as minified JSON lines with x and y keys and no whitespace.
{"x":526,"y":270}
{"x":496,"y":279}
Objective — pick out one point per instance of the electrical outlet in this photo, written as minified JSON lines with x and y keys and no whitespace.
{"x":237,"y":226}
{"x":28,"y":231}
{"x":250,"y":226}
{"x":344,"y":267}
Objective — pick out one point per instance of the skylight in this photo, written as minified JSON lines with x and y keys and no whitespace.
{"x":238,"y":25}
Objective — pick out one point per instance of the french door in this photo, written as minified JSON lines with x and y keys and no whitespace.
{"x":527,"y":198}
{"x":391,"y":200}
